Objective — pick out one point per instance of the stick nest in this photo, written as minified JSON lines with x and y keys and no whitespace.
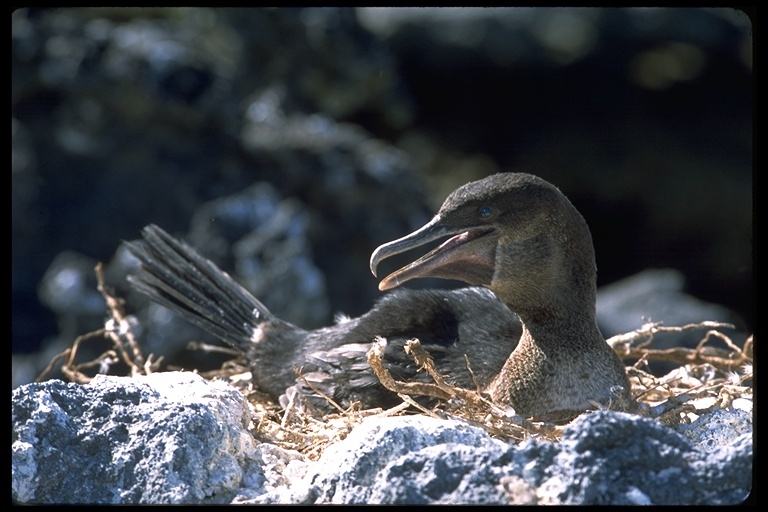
{"x":705,"y":378}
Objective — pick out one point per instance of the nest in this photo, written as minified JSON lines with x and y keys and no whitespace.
{"x":706,"y":378}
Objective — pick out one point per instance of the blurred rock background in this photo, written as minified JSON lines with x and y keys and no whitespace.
{"x":288,"y":143}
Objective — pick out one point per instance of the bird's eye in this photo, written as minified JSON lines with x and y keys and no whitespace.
{"x":485,"y":212}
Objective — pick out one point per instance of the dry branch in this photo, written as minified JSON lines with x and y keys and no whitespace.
{"x":473,"y":406}
{"x":118,"y":330}
{"x":730,"y":359}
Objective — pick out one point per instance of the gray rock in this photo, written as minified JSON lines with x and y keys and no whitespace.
{"x":717,"y":428}
{"x":617,"y":458}
{"x":602,"y":458}
{"x":415,"y":460}
{"x":176,"y":438}
{"x":166,"y":438}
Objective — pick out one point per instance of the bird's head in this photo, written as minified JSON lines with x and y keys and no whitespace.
{"x":514,"y":233}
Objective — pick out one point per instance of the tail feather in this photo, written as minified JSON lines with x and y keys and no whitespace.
{"x":174,"y":275}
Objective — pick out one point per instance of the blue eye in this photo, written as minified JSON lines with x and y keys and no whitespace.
{"x":485,"y":211}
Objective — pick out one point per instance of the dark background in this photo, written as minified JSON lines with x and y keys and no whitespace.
{"x":354,"y":125}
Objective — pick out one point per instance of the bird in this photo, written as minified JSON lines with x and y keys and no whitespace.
{"x":526,"y":324}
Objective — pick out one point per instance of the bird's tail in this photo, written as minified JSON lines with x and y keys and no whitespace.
{"x":176,"y":276}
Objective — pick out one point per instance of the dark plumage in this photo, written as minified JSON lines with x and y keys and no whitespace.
{"x":515,"y":234}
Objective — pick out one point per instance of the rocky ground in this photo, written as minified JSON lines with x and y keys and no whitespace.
{"x":174,"y":438}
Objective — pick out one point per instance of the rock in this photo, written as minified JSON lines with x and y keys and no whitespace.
{"x":718,"y":428}
{"x":176,"y":438}
{"x":166,"y":438}
{"x":602,"y":458}
{"x":617,"y":458}
{"x":414,"y":460}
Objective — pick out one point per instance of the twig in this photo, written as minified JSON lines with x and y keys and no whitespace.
{"x":471,"y":373}
{"x":52,"y":363}
{"x":375,"y":355}
{"x":729,"y":360}
{"x":407,"y":400}
{"x":69,"y":368}
{"x":475,"y":405}
{"x":651,"y":328}
{"x":313,"y":388}
{"x":118,"y":330}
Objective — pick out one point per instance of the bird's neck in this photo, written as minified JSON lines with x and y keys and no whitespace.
{"x":545,"y":373}
{"x":560,"y":330}
{"x":553,"y":314}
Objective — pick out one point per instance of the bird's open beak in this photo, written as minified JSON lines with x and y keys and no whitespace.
{"x":469,"y":255}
